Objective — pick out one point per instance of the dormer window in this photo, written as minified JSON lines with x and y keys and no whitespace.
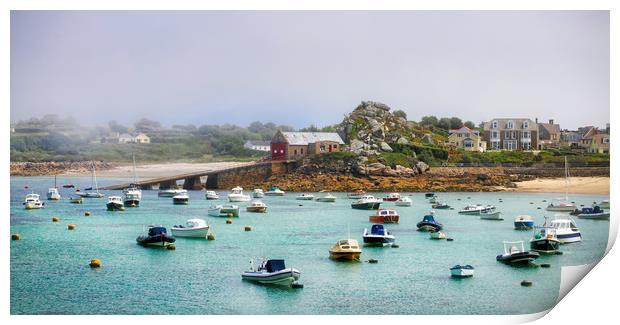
{"x":509,"y":125}
{"x":526,"y":124}
{"x":494,"y":125}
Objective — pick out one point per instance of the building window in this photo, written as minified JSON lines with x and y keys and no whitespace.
{"x":526,"y":124}
{"x":302,"y":151}
{"x":509,"y":125}
{"x":507,"y":135}
{"x":295,"y":151}
{"x":275,"y":151}
{"x":494,"y":125}
{"x":281,"y":150}
{"x":494,"y":135}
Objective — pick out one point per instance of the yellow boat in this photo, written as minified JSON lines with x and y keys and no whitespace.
{"x":345,"y":249}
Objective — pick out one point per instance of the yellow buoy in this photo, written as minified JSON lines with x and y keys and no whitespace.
{"x":15,"y":237}
{"x":55,"y":219}
{"x":95,"y":263}
{"x":230,"y":215}
{"x":71,"y":226}
{"x":171,"y":247}
{"x":248,"y":228}
{"x":210,"y":237}
{"x":228,"y":221}
{"x":87,"y":213}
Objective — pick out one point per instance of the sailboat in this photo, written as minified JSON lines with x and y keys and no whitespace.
{"x":562,"y":204}
{"x":91,"y":194}
{"x":133,"y":194}
{"x":52,"y":192}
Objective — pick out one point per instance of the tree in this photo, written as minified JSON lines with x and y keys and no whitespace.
{"x":146,"y":125}
{"x":444,"y":123}
{"x":455,"y":123}
{"x":429,"y":121}
{"x":115,"y":127}
{"x":470,"y":125}
{"x":400,"y":113}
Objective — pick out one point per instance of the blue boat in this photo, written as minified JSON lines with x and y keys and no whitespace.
{"x":593,"y":213}
{"x":378,"y":236}
{"x":157,"y":236}
{"x":429,"y":223}
{"x":524,"y":222}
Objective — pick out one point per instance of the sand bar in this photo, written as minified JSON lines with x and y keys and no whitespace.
{"x":580,"y":185}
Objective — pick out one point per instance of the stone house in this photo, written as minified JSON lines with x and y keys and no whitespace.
{"x":466,"y":139}
{"x":511,"y":134}
{"x":549,"y":135}
{"x":296,"y":145}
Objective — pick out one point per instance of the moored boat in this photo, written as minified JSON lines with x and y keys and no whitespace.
{"x":385,"y":216}
{"x":490,"y":214}
{"x":429,"y":195}
{"x":566,"y":229}
{"x":274,"y":191}
{"x":88,"y":193}
{"x":258,"y":193}
{"x":115,"y":203}
{"x":440,"y":206}
{"x":345,"y":249}
{"x":326,"y":198}
{"x":595,"y":213}
{"x":181,"y":198}
{"x":33,"y":201}
{"x":237,"y":195}
{"x":429,"y":223}
{"x":378,"y":235}
{"x":436,"y":234}
{"x":271,"y":272}
{"x":224,"y":210}
{"x":367,"y":202}
{"x":156,"y":236}
{"x":515,"y":253}
{"x":523,"y":222}
{"x":392,"y":197}
{"x":545,"y":240}
{"x":211,"y":195}
{"x":305,"y":197}
{"x":560,"y":205}
{"x":196,"y":228}
{"x":170,"y":192}
{"x":460,"y":271}
{"x":257,"y":206}
{"x":403,"y":202}
{"x":475,"y":209}
{"x":604,"y":204}
{"x":52,"y":192}
{"x":75,"y":200}
{"x":132,"y":196}
{"x":358,"y":194}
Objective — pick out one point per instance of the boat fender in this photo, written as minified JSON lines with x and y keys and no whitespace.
{"x":55,"y":219}
{"x":71,"y":226}
{"x":95,"y":263}
{"x":373,"y":261}
{"x":15,"y":236}
{"x":228,"y":221}
{"x":526,"y":283}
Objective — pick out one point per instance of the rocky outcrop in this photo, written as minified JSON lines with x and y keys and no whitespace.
{"x":56,"y":167}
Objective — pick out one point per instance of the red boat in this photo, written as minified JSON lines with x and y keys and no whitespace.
{"x":385,"y":216}
{"x":392,"y":197}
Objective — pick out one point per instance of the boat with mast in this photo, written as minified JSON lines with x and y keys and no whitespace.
{"x":52,"y":192}
{"x":133,"y":194}
{"x":89,"y":193}
{"x":562,"y":204}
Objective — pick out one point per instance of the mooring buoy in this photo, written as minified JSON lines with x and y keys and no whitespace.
{"x":55,"y":219}
{"x":526,"y":283}
{"x":171,"y":247}
{"x":71,"y":226}
{"x":228,"y":221}
{"x":87,"y":213}
{"x":15,"y":236}
{"x":373,"y":261}
{"x":247,"y":228}
{"x":94,"y":263}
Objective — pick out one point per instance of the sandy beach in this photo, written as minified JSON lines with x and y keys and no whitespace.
{"x":159,"y":170}
{"x":581,"y":185}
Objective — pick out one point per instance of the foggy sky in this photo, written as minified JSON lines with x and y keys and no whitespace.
{"x":299,"y":68}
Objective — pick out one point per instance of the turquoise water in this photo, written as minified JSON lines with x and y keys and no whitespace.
{"x":50,"y":272}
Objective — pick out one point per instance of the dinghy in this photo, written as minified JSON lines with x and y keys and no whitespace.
{"x":515,"y":253}
{"x":271,"y":272}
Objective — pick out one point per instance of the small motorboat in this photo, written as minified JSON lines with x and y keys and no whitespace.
{"x":433,"y":200}
{"x":326,"y":198}
{"x":460,"y":271}
{"x":211,"y":195}
{"x":403,"y":202}
{"x":305,"y":197}
{"x":429,"y":195}
{"x":274,"y":191}
{"x":385,"y":216}
{"x":392,"y":197}
{"x":440,"y":206}
{"x":515,"y":253}
{"x":236,"y":195}
{"x":170,"y":192}
{"x":181,"y":198}
{"x":358,"y":194}
{"x":68,"y":186}
{"x":345,"y":249}
{"x":475,"y":209}
{"x":561,"y":205}
{"x":224,"y":210}
{"x":490,"y":214}
{"x":546,"y":240}
{"x":75,"y":200}
{"x":604,"y":204}
{"x":115,"y":203}
{"x":258,"y":193}
{"x":196,"y":228}
{"x":33,"y":201}
{"x":593,"y":213}
{"x":52,"y":192}
{"x":156,"y":236}
{"x":271,"y":272}
{"x":438,"y":234}
{"x":132,"y":196}
{"x":429,"y":223}
{"x":90,"y":195}
{"x":367,"y":202}
{"x":523,"y":222}
{"x":257,"y":206}
{"x":378,"y":236}
{"x":566,"y":229}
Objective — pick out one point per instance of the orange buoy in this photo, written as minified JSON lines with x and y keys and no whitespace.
{"x":15,"y":236}
{"x":210,"y":237}
{"x":71,"y":226}
{"x":228,"y":221}
{"x":94,"y":263}
{"x":55,"y":219}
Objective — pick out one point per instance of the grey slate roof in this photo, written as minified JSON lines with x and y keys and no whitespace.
{"x":304,"y":138}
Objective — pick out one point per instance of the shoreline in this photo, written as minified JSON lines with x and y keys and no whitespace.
{"x":577,"y":185}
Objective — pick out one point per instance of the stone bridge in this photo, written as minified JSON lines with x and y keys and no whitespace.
{"x":215,"y":179}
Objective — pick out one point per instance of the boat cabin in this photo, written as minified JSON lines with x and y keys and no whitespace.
{"x":274,"y":265}
{"x":157,"y":231}
{"x":347,"y":244}
{"x":378,"y":230}
{"x":513,"y":247}
{"x":32,"y":197}
{"x":564,"y":224}
{"x":386,"y":212}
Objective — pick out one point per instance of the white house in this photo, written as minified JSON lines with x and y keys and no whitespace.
{"x":257,"y":145}
{"x":139,"y":138}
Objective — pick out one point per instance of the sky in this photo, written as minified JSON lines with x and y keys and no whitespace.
{"x":301,"y":68}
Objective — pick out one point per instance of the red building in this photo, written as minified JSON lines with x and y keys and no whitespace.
{"x":296,"y":145}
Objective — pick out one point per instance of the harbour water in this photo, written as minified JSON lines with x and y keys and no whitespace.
{"x":50,"y":272}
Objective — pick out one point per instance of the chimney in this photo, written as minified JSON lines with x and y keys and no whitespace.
{"x":537,"y":120}
{"x":551,"y":122}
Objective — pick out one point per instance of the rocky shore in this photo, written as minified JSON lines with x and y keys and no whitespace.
{"x":55,"y":167}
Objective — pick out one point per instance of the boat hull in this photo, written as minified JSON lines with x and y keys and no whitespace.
{"x":284,"y":277}
{"x":199,"y":232}
{"x":243,"y":198}
{"x":155,"y":241}
{"x":132,"y":203}
{"x":305,"y":198}
{"x":224,"y":212}
{"x":256,"y":209}
{"x":326,"y":199}
{"x":366,"y":206}
{"x":180,"y":201}
{"x":491,"y":216}
{"x":90,"y":195}
{"x":569,"y":238}
{"x":345,"y":256}
{"x":115,"y":207}
{"x":594,"y":216}
{"x":373,"y":240}
{"x":521,"y":258}
{"x":461,"y":273}
{"x":470,"y":212}
{"x":427,"y":226}
{"x":384,"y":219}
{"x":524,"y":225}
{"x":545,"y":245}
{"x":561,"y":208}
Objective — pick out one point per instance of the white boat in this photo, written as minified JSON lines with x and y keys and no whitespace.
{"x":523,"y":222}
{"x":305,"y":197}
{"x":403,"y":202}
{"x":604,"y":204}
{"x":459,"y":271}
{"x":595,"y":213}
{"x":274,"y":191}
{"x":212,"y":195}
{"x":326,"y":198}
{"x":94,"y":186}
{"x":52,"y":192}
{"x":224,"y":210}
{"x":490,"y":214}
{"x":475,"y":209}
{"x":438,"y":235}
{"x":272,"y":272}
{"x":170,"y":192}
{"x":563,"y":204}
{"x":115,"y":203}
{"x":367,"y":202}
{"x":33,"y":201}
{"x":566,"y":229}
{"x":358,"y":194}
{"x":256,"y":206}
{"x":515,"y":253}
{"x":546,"y":240}
{"x":133,"y":194}
{"x":258,"y":193}
{"x":181,"y":198}
{"x":196,"y":228}
{"x":236,"y":195}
